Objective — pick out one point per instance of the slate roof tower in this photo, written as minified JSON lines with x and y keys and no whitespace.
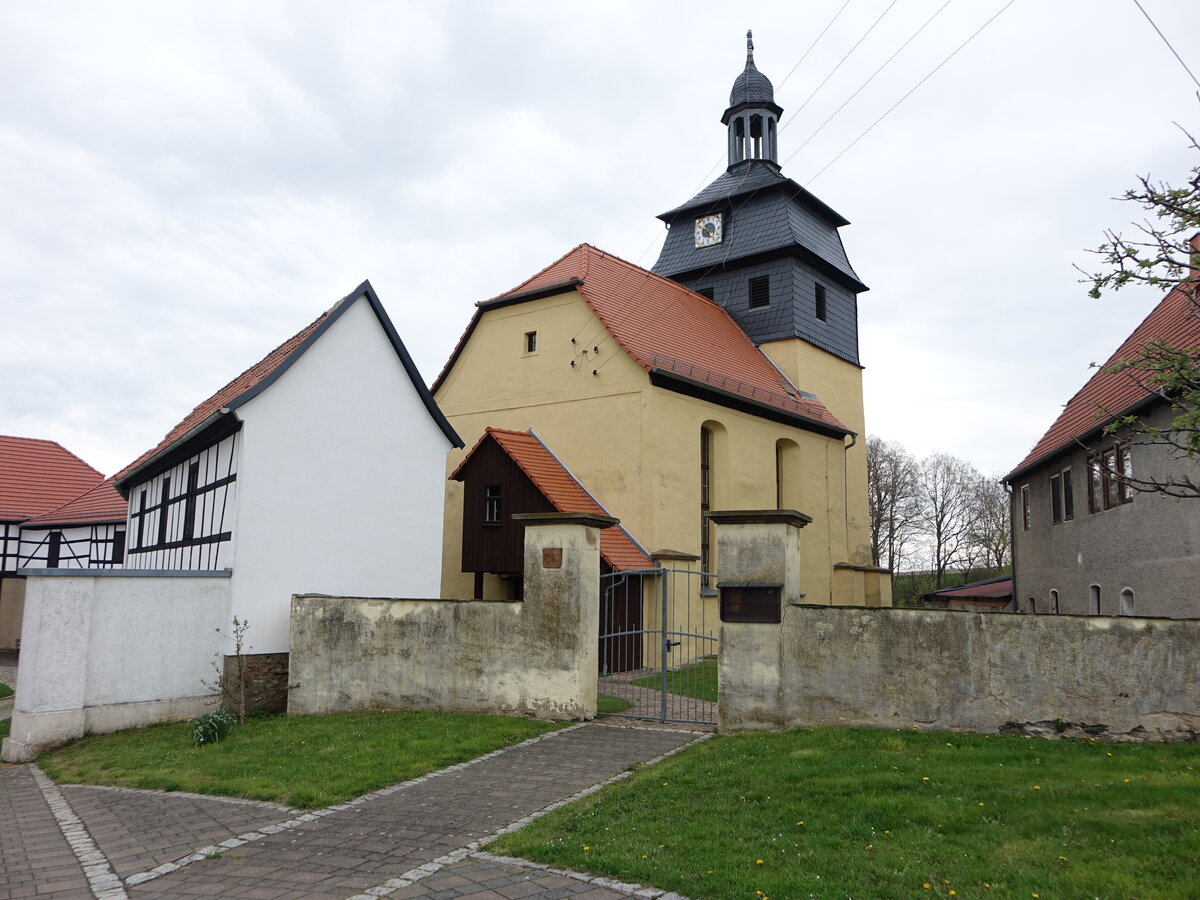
{"x":761,"y":245}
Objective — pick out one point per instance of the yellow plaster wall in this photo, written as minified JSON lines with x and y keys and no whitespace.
{"x":637,"y":447}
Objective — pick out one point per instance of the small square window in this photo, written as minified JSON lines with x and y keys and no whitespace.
{"x":531,"y":342}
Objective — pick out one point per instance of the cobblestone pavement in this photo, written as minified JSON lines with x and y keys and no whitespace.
{"x":418,"y":839}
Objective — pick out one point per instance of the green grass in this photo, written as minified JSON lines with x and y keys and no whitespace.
{"x":304,"y":761}
{"x":606,"y":704}
{"x":5,"y":690}
{"x":698,"y":680}
{"x":4,"y":726}
{"x":860,"y":813}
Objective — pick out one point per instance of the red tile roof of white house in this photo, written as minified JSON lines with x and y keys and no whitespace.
{"x":1109,"y":394}
{"x":260,"y":375}
{"x":37,"y":476}
{"x":666,"y":328}
{"x":565,"y":493}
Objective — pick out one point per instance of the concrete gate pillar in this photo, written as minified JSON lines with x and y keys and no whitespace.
{"x":758,"y":557}
{"x":562,"y":591}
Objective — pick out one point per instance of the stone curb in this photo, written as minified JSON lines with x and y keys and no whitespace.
{"x":101,"y":878}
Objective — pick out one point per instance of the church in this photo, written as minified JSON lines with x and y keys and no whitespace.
{"x":728,"y":377}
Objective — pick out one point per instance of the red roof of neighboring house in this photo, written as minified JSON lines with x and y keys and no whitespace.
{"x":992,"y":589}
{"x":1109,"y":394}
{"x":101,"y":504}
{"x":563,"y":490}
{"x":37,"y":476}
{"x":668,"y":328}
{"x":259,"y":376}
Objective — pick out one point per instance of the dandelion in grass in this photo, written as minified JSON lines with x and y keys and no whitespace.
{"x":1037,"y":787}
{"x":927,"y":886}
{"x":758,"y":862}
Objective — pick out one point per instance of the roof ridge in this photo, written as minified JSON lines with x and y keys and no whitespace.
{"x":536,"y":275}
{"x":53,"y":443}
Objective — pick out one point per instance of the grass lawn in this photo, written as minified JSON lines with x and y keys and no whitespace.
{"x":5,"y":690}
{"x":883,"y":814}
{"x":609,"y":704}
{"x":303,"y":761}
{"x":698,"y":680}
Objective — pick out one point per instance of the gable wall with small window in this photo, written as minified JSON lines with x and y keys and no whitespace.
{"x":1149,"y":545}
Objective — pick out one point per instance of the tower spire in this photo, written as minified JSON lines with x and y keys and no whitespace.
{"x":753,"y":114}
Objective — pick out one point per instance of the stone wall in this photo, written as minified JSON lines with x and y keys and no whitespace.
{"x":533,"y":657}
{"x":1111,"y":678}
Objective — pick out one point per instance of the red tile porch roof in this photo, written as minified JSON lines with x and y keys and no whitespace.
{"x":565,"y":493}
{"x":101,"y":504}
{"x":665,"y":327}
{"x":37,"y":476}
{"x":1108,"y":395}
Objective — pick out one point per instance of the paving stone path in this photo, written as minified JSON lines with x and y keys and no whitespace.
{"x":418,"y":839}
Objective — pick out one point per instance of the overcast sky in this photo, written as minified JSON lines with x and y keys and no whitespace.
{"x":185,"y":185}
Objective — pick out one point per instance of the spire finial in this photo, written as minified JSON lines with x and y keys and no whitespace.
{"x":749,"y":46}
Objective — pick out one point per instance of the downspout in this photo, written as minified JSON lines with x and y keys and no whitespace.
{"x":846,"y":448}
{"x":1012,"y":542}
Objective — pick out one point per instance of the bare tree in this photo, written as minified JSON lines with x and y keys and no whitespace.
{"x":946,"y":491}
{"x":892,"y":500}
{"x":990,"y":530}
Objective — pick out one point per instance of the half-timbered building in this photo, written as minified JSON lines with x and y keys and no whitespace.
{"x":36,"y":477}
{"x":316,"y":470}
{"x":87,"y":533}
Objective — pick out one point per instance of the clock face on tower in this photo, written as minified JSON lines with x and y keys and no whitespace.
{"x":708,"y":230}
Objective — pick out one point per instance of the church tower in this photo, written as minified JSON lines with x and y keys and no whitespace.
{"x":762,"y":246}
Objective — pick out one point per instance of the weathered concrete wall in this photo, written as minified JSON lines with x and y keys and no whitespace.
{"x":112,"y":650}
{"x":535,"y":657}
{"x":1114,"y":678}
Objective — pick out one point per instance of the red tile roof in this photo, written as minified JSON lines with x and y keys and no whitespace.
{"x":992,"y":589}
{"x":666,"y":327}
{"x":1110,"y":394}
{"x":101,"y":504}
{"x":226,"y":395}
{"x":563,"y":490}
{"x":37,"y":476}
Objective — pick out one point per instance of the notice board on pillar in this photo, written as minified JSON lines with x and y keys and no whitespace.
{"x":748,"y":602}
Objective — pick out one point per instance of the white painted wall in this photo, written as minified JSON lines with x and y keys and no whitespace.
{"x":340,"y":484}
{"x":106,"y":651}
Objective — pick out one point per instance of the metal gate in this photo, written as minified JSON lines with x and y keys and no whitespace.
{"x":658,"y":646}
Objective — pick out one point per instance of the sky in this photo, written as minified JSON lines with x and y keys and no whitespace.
{"x":185,"y":185}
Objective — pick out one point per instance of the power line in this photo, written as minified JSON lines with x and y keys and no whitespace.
{"x":814,"y":43}
{"x":821,"y":127}
{"x":844,"y":58}
{"x":1165,"y":41}
{"x":912,"y":90}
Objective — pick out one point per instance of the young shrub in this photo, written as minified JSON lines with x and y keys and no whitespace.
{"x":212,"y":727}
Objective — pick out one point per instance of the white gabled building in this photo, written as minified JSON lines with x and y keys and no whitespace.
{"x":317,"y":470}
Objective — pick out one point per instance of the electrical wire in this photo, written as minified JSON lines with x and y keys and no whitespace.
{"x":832,"y":115}
{"x":932,"y":72}
{"x":1168,"y":43}
{"x":832,"y":71}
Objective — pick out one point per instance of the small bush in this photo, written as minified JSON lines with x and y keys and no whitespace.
{"x":212,"y":727}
